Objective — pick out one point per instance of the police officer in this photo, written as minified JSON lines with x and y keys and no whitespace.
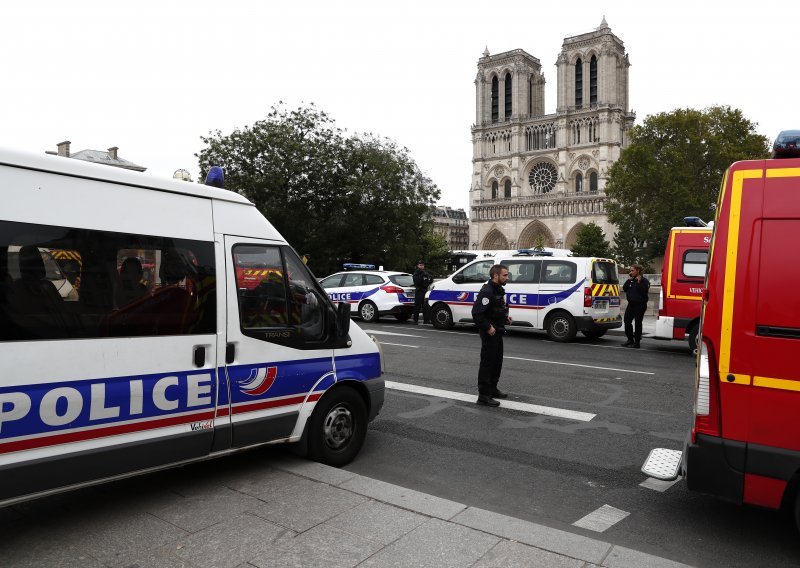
{"x":490,"y":313}
{"x":636,"y":289}
{"x":422,"y":280}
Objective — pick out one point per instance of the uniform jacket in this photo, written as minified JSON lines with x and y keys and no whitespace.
{"x":636,"y":292}
{"x":422,"y":279}
{"x":490,"y":307}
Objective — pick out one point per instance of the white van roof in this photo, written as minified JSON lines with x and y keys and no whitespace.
{"x":80,"y":168}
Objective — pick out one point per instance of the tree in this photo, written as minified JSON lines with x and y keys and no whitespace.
{"x":591,"y":241}
{"x":434,"y":250}
{"x":334,"y":197}
{"x":673,"y":168}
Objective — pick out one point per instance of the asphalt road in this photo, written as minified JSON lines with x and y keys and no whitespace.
{"x":556,"y":471}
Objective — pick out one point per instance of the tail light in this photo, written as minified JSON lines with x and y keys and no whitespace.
{"x":706,"y":396}
{"x":389,"y":289}
{"x":587,"y":297}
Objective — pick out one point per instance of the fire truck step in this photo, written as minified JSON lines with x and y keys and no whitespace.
{"x":663,"y":464}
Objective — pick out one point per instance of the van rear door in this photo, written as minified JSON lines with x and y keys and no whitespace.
{"x":277,"y":348}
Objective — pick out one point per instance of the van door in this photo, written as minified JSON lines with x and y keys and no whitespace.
{"x":559,"y":280}
{"x":522,"y":291}
{"x":277,"y":344}
{"x":466,"y":285}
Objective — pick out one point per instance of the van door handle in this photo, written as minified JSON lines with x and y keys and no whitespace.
{"x":230,"y":353}
{"x":199,"y":356}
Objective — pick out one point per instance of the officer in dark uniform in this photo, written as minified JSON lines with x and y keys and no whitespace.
{"x":422,"y":281}
{"x":636,"y":289}
{"x":490,"y":313}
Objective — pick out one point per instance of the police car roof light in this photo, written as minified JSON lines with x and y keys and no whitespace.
{"x":787,"y":144}
{"x":354,"y":266}
{"x":694,"y":222}
{"x":215,"y":177}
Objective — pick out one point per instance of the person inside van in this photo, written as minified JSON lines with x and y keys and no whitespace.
{"x":130,"y":286}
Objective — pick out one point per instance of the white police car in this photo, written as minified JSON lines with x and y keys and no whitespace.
{"x":372,"y":293}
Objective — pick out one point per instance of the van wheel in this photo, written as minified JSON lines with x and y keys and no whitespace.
{"x":368,"y":312}
{"x":442,"y":317}
{"x":561,"y":327}
{"x":693,"y":340}
{"x":595,"y":333}
{"x":337,"y":427}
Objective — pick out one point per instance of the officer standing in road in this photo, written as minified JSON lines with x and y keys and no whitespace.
{"x":422,"y":280}
{"x":636,"y":289}
{"x":490,"y":313}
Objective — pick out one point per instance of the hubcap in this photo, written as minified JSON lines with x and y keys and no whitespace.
{"x":560,"y":327}
{"x":367,"y":311}
{"x":442,"y":316}
{"x":338,"y":427}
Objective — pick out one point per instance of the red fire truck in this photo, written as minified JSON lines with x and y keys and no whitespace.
{"x":682,"y":277}
{"x":744,"y":445}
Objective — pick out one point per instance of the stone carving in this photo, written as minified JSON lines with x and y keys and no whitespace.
{"x":499,"y":170}
{"x":595,"y":153}
{"x":583,"y":163}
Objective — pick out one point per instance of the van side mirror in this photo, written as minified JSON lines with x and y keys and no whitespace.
{"x":458,"y":278}
{"x":343,"y":319}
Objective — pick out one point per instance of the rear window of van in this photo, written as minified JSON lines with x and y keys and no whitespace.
{"x":604,"y":273}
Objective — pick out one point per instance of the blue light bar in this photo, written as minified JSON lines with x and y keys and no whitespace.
{"x":353,"y":266}
{"x":215,"y":177}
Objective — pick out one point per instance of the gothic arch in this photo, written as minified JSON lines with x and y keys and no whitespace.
{"x":529,"y":236}
{"x":572,"y":236}
{"x":495,"y":240}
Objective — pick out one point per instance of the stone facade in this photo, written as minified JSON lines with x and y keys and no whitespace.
{"x":538,"y":178}
{"x":453,"y":225}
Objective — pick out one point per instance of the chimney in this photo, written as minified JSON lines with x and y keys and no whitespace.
{"x":112,"y":152}
{"x":63,"y":148}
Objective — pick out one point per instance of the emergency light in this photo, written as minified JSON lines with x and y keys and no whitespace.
{"x":215,"y":177}
{"x":694,"y":222}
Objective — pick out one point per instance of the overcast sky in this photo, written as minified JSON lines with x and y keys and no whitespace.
{"x":152,"y":77}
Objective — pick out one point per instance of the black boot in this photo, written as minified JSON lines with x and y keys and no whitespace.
{"x":499,"y":394}
{"x":628,"y":343}
{"x":636,"y":345}
{"x":486,"y":400}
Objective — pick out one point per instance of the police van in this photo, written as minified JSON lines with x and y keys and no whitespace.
{"x":132,"y":376}
{"x":562,"y":295}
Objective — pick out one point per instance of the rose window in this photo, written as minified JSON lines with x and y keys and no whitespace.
{"x":542,"y":178}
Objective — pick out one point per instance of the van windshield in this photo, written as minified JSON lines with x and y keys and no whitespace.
{"x":604,"y":273}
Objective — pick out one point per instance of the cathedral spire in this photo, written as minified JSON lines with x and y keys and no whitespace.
{"x":603,"y":24}
{"x":486,"y":51}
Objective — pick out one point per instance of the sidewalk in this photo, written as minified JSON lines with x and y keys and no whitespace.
{"x":283,"y":512}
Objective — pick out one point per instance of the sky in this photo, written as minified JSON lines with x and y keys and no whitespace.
{"x":152,"y":77}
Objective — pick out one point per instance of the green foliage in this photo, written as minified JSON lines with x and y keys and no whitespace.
{"x":591,"y":241}
{"x":628,"y":248}
{"x":434,"y":250}
{"x":335,"y":197}
{"x":538,"y":243}
{"x":673,"y":168}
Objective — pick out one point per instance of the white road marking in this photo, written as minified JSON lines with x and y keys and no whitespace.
{"x":658,"y":484}
{"x":400,"y":345}
{"x":602,"y":519}
{"x":381,"y":332}
{"x":577,"y":365}
{"x":513,"y":405}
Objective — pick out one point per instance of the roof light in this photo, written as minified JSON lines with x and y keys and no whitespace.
{"x":787,"y":145}
{"x":694,"y":222}
{"x":354,"y":266}
{"x":215,"y":177}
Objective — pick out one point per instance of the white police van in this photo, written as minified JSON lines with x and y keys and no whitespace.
{"x":130,"y":376}
{"x":372,"y":293}
{"x":562,"y":295}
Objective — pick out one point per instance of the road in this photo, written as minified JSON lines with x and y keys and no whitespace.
{"x":554,"y":470}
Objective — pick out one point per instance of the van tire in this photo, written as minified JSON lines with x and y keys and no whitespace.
{"x":442,"y":317}
{"x":337,"y":428}
{"x":368,"y":312}
{"x":560,"y":327}
{"x":594,"y":333}
{"x":692,"y":339}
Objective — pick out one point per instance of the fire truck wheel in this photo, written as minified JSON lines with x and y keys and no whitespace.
{"x":337,"y":428}
{"x":368,"y":312}
{"x":693,"y":340}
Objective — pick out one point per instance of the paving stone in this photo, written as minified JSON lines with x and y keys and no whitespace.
{"x":509,"y":554}
{"x":314,"y":470}
{"x":434,"y":544}
{"x":302,"y":506}
{"x":403,"y":497}
{"x":540,"y":536}
{"x":200,"y":510}
{"x":267,"y":483}
{"x":621,"y":557}
{"x":230,"y":543}
{"x":378,"y":522}
{"x":323,"y":546}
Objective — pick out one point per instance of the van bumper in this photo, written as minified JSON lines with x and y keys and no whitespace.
{"x":715,"y":466}
{"x":376,"y":389}
{"x":587,"y":323}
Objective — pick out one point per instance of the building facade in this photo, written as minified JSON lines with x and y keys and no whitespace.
{"x":538,"y":178}
{"x":453,"y":225}
{"x":108,"y":158}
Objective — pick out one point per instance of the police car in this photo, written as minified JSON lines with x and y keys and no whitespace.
{"x":372,"y":293}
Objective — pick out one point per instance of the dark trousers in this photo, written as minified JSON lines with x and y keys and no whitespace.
{"x":491,"y":362}
{"x":419,"y":306}
{"x":634,"y":313}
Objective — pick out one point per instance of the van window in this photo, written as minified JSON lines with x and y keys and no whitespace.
{"x":694,"y":263}
{"x":523,"y":271}
{"x":604,"y":273}
{"x":286,"y":305}
{"x":103,"y":289}
{"x":558,"y":272}
{"x":478,"y":272}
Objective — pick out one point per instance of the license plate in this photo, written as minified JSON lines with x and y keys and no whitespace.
{"x":409,"y":294}
{"x":602,"y":306}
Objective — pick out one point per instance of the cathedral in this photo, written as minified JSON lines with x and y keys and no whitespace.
{"x":538,"y":178}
